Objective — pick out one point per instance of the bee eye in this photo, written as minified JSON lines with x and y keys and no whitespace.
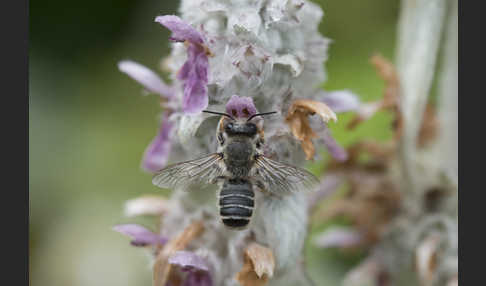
{"x":251,"y":128}
{"x":229,"y":126}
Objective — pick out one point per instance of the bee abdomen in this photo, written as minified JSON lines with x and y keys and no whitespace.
{"x":236,"y":203}
{"x":236,"y":200}
{"x":235,"y":211}
{"x":235,"y":222}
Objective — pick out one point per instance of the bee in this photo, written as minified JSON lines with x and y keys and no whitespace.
{"x":240,"y":164}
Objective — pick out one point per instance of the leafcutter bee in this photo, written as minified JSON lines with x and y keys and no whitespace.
{"x":241,"y":166}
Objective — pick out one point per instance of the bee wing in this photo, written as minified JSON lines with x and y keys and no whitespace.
{"x":281,"y":178}
{"x":198,"y":171}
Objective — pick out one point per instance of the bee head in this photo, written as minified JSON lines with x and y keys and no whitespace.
{"x":239,"y":126}
{"x":233,"y":127}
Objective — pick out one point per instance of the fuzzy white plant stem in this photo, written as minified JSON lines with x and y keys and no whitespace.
{"x":419,"y":34}
{"x":448,"y":100}
{"x":419,"y":233}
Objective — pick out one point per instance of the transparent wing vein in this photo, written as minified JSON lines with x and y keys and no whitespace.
{"x":280,"y":178}
{"x":198,"y":171}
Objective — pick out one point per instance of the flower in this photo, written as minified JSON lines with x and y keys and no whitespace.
{"x":157,"y":153}
{"x":164,"y":260}
{"x":341,"y":101}
{"x":197,"y":268}
{"x":146,"y":205}
{"x":338,"y":101}
{"x":241,"y":57}
{"x":140,"y":235}
{"x":299,"y":123}
{"x":390,"y":100}
{"x":258,"y":268}
{"x":268,"y":56}
{"x":188,"y":260}
{"x":338,"y":237}
{"x":332,"y":146}
{"x":181,"y":31}
{"x":240,"y":107}
{"x":194,"y":72}
{"x":170,"y":253}
{"x":150,"y":80}
{"x":372,"y":200}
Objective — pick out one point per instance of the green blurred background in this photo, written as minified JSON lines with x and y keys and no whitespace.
{"x":89,"y":126}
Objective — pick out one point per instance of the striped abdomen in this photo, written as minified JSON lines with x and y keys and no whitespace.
{"x":236,"y":202}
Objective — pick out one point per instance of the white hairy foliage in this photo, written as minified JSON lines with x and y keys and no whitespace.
{"x":269,"y":50}
{"x":272,"y":51}
{"x":281,"y":223}
{"x":420,"y":30}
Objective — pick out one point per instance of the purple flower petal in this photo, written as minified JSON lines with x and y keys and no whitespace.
{"x":196,"y":266}
{"x":157,"y":153}
{"x":240,"y":106}
{"x":181,"y":31}
{"x":194,"y":72}
{"x":139,"y":234}
{"x":336,"y":151}
{"x":189,"y":261}
{"x":338,"y":237}
{"x":150,"y":80}
{"x":341,"y":101}
{"x":198,"y":279}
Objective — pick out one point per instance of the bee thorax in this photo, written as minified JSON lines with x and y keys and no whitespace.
{"x":238,"y":157}
{"x":239,"y":152}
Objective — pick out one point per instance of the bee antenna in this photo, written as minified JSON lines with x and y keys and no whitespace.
{"x":219,"y":113}
{"x":260,"y":114}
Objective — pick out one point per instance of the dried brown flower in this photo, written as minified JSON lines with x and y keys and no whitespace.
{"x":370,"y":210}
{"x":426,"y":258}
{"x":387,"y":72}
{"x":258,"y":267}
{"x":372,"y":199}
{"x":162,"y":268}
{"x":390,"y":101}
{"x":298,"y":121}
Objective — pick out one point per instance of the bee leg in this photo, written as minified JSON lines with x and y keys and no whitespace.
{"x":221,"y":138}
{"x":215,"y":180}
{"x":263,"y":188}
{"x":260,"y":184}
